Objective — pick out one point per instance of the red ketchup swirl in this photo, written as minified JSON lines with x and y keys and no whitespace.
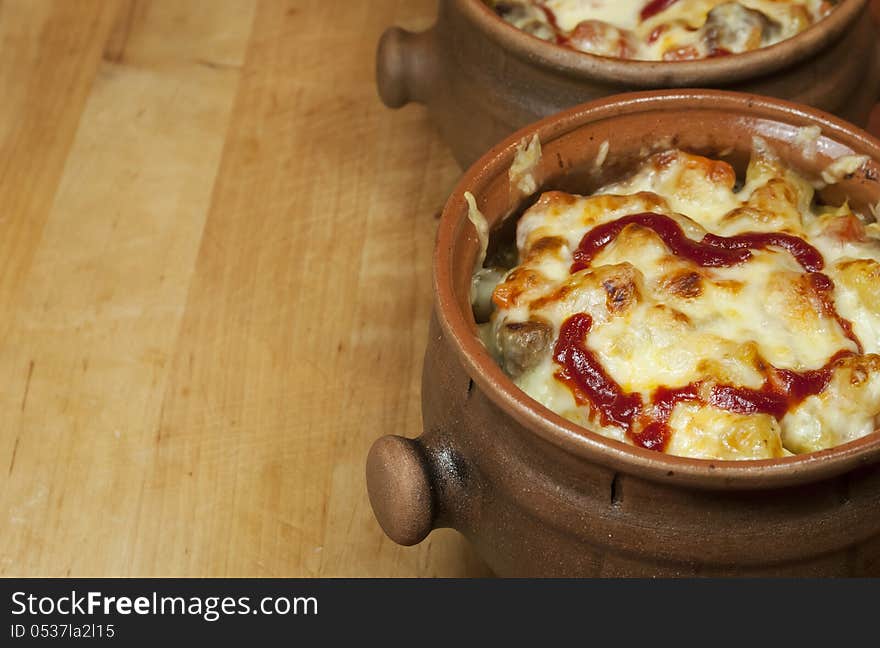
{"x":717,"y":251}
{"x":647,"y":424}
{"x":824,"y":288}
{"x":648,"y":427}
{"x":561,"y":38}
{"x":783,"y":390}
{"x":654,"y":7}
{"x":711,"y":251}
{"x":587,"y":379}
{"x":655,"y":432}
{"x":804,"y":253}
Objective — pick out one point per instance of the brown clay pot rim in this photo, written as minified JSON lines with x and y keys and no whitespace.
{"x":650,"y":74}
{"x":460,"y":329}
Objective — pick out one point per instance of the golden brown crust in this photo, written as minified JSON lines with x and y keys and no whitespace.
{"x":661,"y":321}
{"x":685,"y":284}
{"x":544,"y":246}
{"x":518,"y":282}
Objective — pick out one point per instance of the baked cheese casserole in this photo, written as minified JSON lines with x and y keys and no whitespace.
{"x":681,"y":312}
{"x":662,"y":30}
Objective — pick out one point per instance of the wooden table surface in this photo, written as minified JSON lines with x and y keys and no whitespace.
{"x":214,"y":287}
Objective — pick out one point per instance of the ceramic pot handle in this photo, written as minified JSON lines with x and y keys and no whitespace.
{"x":405,"y":66}
{"x":402,"y":488}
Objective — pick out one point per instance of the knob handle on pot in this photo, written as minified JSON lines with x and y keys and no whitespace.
{"x":404,"y":66}
{"x":400,"y":491}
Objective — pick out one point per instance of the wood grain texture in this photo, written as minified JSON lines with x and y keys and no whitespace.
{"x":42,"y":99}
{"x":214,"y":287}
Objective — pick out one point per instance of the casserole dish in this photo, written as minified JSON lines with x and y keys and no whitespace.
{"x":482,"y":78}
{"x":540,"y":496}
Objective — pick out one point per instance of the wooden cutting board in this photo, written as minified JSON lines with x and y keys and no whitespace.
{"x":214,"y":287}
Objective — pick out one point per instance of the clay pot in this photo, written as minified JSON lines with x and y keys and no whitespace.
{"x":539,"y":495}
{"x":482,"y":79}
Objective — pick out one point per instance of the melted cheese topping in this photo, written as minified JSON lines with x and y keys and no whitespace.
{"x":660,"y":320}
{"x":660,"y":30}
